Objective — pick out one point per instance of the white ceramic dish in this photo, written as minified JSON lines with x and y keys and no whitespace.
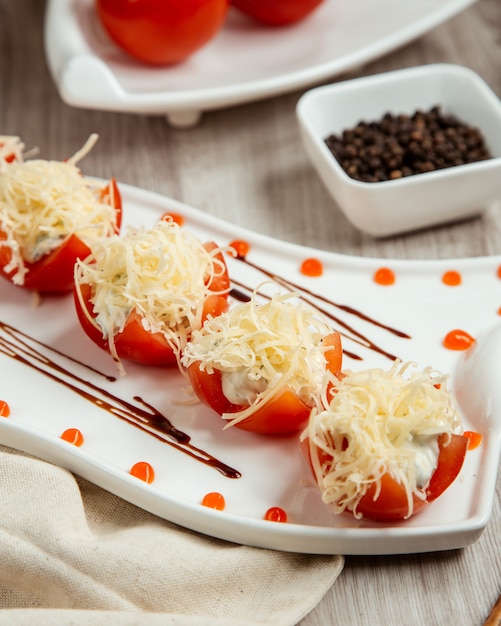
{"x":390,"y":207}
{"x":45,"y":401}
{"x":244,"y":62}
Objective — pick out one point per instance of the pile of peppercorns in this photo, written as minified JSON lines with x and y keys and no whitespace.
{"x":402,"y":145}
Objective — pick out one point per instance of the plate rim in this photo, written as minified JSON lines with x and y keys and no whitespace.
{"x":292,"y":537}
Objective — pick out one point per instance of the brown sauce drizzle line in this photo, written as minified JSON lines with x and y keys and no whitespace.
{"x":147,"y":419}
{"x":355,"y":335}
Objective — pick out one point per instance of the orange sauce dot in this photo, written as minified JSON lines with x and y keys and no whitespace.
{"x":499,"y":311}
{"x":73,"y":436}
{"x":214,"y":500}
{"x":275,"y":514}
{"x":458,"y":340}
{"x":241,"y":247}
{"x":173,"y":217}
{"x":384,"y":276}
{"x":4,"y":409}
{"x":312,"y":267}
{"x":474,"y":439}
{"x":499,"y":272}
{"x":143,"y":471}
{"x":451,"y":278}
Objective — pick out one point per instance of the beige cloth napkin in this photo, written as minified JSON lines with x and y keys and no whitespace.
{"x":72,"y":553}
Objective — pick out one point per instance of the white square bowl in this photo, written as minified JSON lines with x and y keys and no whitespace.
{"x":420,"y":200}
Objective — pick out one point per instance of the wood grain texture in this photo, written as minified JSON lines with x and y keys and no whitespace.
{"x":246,"y":164}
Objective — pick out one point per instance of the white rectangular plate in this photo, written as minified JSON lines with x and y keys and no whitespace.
{"x":44,"y":401}
{"x":244,"y":62}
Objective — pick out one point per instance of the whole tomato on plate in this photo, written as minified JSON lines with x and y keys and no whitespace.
{"x":161,"y":32}
{"x":277,"y":12}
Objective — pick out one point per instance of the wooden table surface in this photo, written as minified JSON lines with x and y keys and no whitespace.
{"x":246,"y":164}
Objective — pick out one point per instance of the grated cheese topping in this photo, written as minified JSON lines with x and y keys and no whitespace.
{"x":390,"y":421}
{"x":163,"y":274}
{"x":44,"y":202}
{"x":261,"y":347}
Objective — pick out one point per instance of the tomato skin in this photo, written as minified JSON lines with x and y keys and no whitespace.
{"x":53,"y":273}
{"x":391,"y":504}
{"x":220,"y":282}
{"x":142,"y":346}
{"x":134,"y":343}
{"x":137,"y":344}
{"x":208,"y":387}
{"x":111,"y":195}
{"x":277,"y":12}
{"x":283,"y":414}
{"x":450,"y":461}
{"x":161,"y":32}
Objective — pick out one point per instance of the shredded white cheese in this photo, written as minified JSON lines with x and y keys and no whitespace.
{"x":163,"y":274}
{"x":260,"y":347}
{"x":376,"y":422}
{"x":44,"y":202}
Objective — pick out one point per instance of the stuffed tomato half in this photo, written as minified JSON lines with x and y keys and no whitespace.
{"x":387,"y":443}
{"x":50,"y":215}
{"x":260,"y":365}
{"x":140,"y":295}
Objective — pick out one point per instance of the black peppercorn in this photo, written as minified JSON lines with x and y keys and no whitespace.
{"x":403,"y":145}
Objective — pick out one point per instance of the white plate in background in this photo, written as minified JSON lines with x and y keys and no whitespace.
{"x":43,"y":404}
{"x":245,"y":61}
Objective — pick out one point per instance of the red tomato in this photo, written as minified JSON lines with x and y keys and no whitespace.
{"x":285,"y":413}
{"x":277,"y":12}
{"x":161,"y":32}
{"x":391,"y":503}
{"x":53,"y":273}
{"x":135,"y":343}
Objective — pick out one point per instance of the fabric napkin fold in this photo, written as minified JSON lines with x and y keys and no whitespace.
{"x":72,"y":553}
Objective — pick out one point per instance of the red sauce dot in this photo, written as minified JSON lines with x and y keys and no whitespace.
{"x":499,"y":311}
{"x":451,"y":278}
{"x":241,"y":247}
{"x":275,"y":514}
{"x":474,"y":439}
{"x":312,"y":267}
{"x":4,"y":409}
{"x":73,"y":436}
{"x":143,"y":471}
{"x":214,"y":500}
{"x":458,"y":340}
{"x":173,"y":217}
{"x":499,"y":272}
{"x":384,"y":276}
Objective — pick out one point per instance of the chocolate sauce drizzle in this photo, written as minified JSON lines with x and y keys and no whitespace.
{"x":16,"y":345}
{"x":310,"y":297}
